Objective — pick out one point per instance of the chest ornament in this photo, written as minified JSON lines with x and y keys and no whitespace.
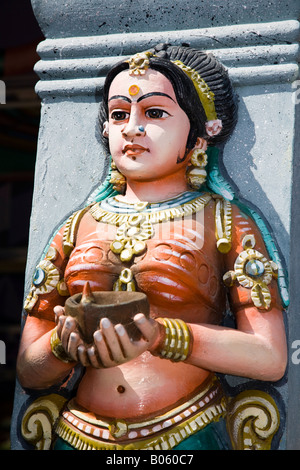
{"x":131,"y":237}
{"x":136,"y":222}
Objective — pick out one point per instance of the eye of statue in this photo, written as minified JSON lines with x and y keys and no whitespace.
{"x":119,"y":115}
{"x":155,"y":113}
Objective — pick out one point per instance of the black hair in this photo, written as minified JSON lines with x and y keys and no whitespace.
{"x":210,"y":70}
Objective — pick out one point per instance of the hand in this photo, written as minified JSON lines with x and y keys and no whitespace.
{"x":112,"y":345}
{"x":70,"y":337}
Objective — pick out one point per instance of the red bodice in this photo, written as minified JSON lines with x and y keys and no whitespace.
{"x":181,"y":274}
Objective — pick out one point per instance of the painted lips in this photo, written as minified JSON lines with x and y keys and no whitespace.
{"x":134,"y":149}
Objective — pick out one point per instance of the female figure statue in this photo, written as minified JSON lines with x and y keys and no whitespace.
{"x":158,"y":228}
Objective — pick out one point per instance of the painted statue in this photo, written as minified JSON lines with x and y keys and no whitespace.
{"x":162,"y":225}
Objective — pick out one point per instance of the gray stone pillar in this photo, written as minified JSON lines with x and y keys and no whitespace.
{"x":256,"y":40}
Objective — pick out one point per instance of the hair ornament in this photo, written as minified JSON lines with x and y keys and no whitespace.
{"x":213,"y":127}
{"x":204,"y":92}
{"x":139,"y":63}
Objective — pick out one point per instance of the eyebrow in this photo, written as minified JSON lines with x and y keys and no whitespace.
{"x":155,"y":93}
{"x":116,"y":97}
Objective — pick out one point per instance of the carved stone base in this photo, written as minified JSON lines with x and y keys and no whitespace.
{"x":252,"y":420}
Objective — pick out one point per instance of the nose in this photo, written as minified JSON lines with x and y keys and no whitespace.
{"x":133,"y":128}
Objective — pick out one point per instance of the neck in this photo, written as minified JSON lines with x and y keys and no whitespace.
{"x":156,"y":190}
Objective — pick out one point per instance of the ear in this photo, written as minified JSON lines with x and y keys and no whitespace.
{"x":105,"y":129}
{"x":200,"y":144}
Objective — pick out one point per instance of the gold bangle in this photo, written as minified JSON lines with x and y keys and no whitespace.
{"x":177,"y":340}
{"x":186,"y":340}
{"x":57,"y":348}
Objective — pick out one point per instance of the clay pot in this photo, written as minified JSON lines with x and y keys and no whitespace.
{"x":119,"y":306}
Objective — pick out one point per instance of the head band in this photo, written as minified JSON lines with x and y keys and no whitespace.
{"x":205,"y":94}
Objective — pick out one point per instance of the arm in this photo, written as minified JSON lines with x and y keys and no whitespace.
{"x":257,"y":349}
{"x":37,"y":367}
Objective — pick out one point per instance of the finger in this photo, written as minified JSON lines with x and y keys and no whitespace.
{"x":74,"y":341}
{"x":93,"y":358}
{"x":82,"y":355}
{"x":102,"y":350}
{"x":58,"y":311}
{"x":69,"y":326}
{"x":129,"y":348}
{"x":112,"y":341}
{"x":60,"y":325}
{"x":148,"y":327}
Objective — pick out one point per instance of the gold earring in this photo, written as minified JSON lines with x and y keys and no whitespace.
{"x":196,"y":174}
{"x":116,"y":178}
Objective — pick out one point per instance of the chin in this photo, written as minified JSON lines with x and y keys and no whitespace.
{"x":134,"y":165}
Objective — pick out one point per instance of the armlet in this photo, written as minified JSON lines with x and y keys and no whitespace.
{"x":47,"y":276}
{"x":253,"y":271}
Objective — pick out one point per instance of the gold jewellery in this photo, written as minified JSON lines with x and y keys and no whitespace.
{"x":117,"y":179}
{"x":139,"y":63}
{"x":205,"y":94}
{"x":177,"y":341}
{"x":253,"y":271}
{"x":136,"y":227}
{"x":57,"y":348}
{"x":196,"y":174}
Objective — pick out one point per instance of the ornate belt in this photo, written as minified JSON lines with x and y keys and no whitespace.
{"x":84,"y":431}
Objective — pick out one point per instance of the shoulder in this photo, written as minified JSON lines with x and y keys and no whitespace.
{"x":232,"y":224}
{"x":48,"y":287}
{"x":70,"y":229}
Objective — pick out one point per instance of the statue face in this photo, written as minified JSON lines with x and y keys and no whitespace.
{"x":148,"y":130}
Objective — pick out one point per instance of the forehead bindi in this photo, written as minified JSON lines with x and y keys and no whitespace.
{"x":136,"y":87}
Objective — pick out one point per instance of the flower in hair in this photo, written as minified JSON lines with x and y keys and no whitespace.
{"x":213,"y":127}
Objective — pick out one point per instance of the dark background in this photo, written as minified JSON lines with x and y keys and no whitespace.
{"x":19,"y":124}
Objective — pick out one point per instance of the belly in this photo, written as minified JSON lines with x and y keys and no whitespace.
{"x":144,"y":387}
{"x":181,"y":279}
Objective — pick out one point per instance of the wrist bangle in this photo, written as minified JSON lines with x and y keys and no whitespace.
{"x":176,"y":346}
{"x":57,"y":348}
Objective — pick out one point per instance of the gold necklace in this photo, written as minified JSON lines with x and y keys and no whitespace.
{"x":135,"y":228}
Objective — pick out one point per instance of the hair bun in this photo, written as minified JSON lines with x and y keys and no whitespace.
{"x":161,"y":50}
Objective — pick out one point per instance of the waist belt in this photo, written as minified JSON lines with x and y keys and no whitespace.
{"x":85,"y":432}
